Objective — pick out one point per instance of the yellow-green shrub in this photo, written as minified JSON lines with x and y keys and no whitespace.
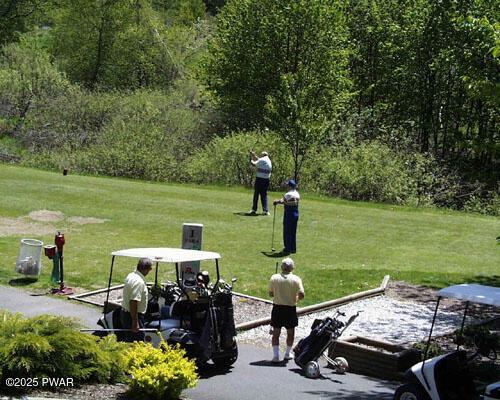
{"x":159,"y":373}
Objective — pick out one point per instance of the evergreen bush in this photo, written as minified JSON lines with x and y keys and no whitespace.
{"x":50,"y":346}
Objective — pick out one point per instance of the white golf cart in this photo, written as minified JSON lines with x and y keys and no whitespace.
{"x":192,"y":311}
{"x":447,"y":377}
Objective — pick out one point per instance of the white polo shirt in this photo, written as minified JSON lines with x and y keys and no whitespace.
{"x":285,"y":288}
{"x":264,"y":167}
{"x":135,"y":289}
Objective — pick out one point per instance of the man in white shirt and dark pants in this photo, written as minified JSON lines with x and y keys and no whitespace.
{"x":263,"y":168}
{"x":135,"y":300}
{"x":290,"y":217}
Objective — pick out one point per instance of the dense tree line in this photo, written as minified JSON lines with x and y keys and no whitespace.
{"x":331,"y":80}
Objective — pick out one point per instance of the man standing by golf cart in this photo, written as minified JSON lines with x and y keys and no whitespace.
{"x":263,"y":168}
{"x":135,"y":300}
{"x":286,"y":289}
{"x":290,"y":218}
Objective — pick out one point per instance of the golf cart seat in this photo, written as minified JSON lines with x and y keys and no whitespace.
{"x":453,"y":378}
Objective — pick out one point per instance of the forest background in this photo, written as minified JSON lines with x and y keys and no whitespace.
{"x":391,"y":101}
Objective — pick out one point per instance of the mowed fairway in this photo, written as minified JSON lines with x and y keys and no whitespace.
{"x":343,"y":247}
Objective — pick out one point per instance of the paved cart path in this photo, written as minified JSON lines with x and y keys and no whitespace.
{"x":252,"y":377}
{"x":17,"y":300}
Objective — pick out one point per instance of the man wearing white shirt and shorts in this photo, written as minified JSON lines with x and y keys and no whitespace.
{"x":263,"y":168}
{"x":286,"y":289}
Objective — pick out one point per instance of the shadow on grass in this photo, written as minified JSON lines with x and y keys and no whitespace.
{"x":22,"y":281}
{"x":274,"y":254}
{"x":246,"y":214}
{"x":488,"y":280}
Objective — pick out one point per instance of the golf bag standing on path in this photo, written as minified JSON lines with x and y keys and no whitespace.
{"x":323,"y":334}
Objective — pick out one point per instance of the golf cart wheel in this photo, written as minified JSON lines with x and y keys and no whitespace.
{"x":227,"y":360}
{"x":409,"y":392}
{"x":312,"y":370}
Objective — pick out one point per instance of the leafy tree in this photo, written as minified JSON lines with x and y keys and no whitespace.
{"x":113,"y":44}
{"x":28,"y":79}
{"x":184,"y":12}
{"x":18,"y":16}
{"x":280,"y":64}
{"x":429,"y":67}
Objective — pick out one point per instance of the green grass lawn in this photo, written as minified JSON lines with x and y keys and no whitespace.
{"x":343,"y":247}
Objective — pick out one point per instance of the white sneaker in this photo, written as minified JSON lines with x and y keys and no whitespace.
{"x":266,"y":213}
{"x":252,"y":212}
{"x":287,"y":357}
{"x":275,"y":360}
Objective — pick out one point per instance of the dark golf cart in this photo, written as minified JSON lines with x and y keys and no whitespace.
{"x":449,"y":377}
{"x":191,"y":311}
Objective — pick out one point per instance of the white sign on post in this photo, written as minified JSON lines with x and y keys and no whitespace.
{"x":191,"y":240}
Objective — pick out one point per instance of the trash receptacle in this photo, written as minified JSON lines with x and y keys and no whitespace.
{"x":29,"y":259}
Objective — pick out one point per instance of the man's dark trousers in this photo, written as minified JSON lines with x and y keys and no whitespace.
{"x":290,"y":219}
{"x":260,"y":189}
{"x":126,"y":320}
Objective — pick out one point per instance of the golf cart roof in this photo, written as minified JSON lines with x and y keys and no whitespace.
{"x":473,"y":292}
{"x":168,"y":255}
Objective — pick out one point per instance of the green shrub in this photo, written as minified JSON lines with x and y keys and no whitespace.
{"x":144,"y":134}
{"x":226,"y":160}
{"x":50,"y":346}
{"x":434,"y":183}
{"x":434,"y":349}
{"x":369,"y":171}
{"x":488,"y":204}
{"x":159,"y":373}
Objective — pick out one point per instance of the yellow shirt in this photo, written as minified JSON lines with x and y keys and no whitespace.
{"x":285,"y":287}
{"x":135,"y":289}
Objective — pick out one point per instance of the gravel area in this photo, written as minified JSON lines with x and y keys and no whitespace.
{"x":382,"y":318}
{"x":402,"y":316}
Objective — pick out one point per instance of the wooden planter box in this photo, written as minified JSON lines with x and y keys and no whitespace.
{"x":375,"y":358}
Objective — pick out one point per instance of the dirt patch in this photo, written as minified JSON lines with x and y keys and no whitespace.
{"x":46,"y":216}
{"x":42,"y":222}
{"x":424,"y":295}
{"x":21,"y":226}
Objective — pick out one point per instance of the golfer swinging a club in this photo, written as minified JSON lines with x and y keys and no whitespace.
{"x":286,"y":289}
{"x":263,"y":168}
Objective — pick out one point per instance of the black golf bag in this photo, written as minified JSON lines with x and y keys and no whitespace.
{"x":323,"y":333}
